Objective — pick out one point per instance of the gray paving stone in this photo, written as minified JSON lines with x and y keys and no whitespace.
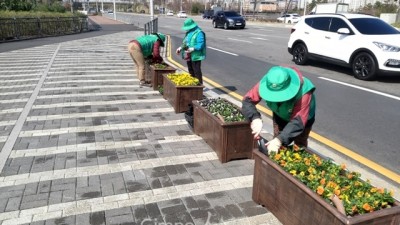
{"x":13,"y":204}
{"x":178,"y":218}
{"x":55,"y":197}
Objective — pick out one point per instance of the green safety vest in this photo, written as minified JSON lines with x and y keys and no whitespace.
{"x":146,"y":43}
{"x":196,"y":55}
{"x":285,"y":109}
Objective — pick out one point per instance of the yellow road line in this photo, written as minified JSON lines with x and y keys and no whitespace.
{"x":335,"y":146}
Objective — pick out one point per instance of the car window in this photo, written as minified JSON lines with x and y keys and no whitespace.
{"x":373,"y":26}
{"x":321,"y":23}
{"x":231,"y":14}
{"x":338,"y":23}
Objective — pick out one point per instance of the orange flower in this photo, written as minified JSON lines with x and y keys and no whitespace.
{"x":322,"y":181}
{"x":283,"y":163}
{"x":343,"y":166}
{"x":381,"y":190}
{"x":354,"y":208}
{"x":307,"y":162}
{"x":367,"y":207}
{"x":320,"y":190}
{"x":349,"y":176}
{"x":277,"y":156}
{"x":337,"y":192}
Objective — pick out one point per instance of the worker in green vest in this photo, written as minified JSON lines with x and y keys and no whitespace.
{"x":290,"y":96}
{"x":193,"y":48}
{"x":146,"y":47}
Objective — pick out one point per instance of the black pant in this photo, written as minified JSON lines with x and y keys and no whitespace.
{"x":194,"y":68}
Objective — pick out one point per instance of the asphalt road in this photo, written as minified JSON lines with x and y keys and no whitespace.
{"x":365,"y":122}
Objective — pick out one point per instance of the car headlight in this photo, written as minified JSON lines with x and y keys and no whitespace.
{"x":386,"y":47}
{"x":230,"y":20}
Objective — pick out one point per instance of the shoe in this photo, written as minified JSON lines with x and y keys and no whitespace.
{"x":144,"y":84}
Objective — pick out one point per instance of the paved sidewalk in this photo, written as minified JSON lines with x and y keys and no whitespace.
{"x":82,"y":143}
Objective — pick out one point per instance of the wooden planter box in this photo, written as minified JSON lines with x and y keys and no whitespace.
{"x":231,"y":140}
{"x":293,"y":203}
{"x":157,"y":75}
{"x":181,"y":96}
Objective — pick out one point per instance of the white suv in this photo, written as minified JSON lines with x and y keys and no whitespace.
{"x":365,"y":43}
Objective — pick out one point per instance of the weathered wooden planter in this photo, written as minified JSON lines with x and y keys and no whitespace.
{"x":181,"y":96}
{"x":231,"y":140}
{"x":293,"y":203}
{"x":157,"y":75}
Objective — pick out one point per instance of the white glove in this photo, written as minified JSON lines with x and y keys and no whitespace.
{"x":256,"y":127}
{"x":274,"y":145}
{"x":178,"y":50}
{"x":189,"y":50}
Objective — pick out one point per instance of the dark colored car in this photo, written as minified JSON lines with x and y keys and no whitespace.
{"x":208,"y":14}
{"x":228,"y":19}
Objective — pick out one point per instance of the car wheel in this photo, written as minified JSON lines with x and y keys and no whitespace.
{"x":300,"y":54}
{"x":214,"y":24}
{"x":225,"y":25}
{"x":364,"y":66}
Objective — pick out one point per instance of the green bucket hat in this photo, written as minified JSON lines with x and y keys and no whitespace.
{"x":162,"y":38}
{"x":279,"y":84}
{"x":189,"y":24}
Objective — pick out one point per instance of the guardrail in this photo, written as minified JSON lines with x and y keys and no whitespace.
{"x":151,"y":27}
{"x":27,"y":28}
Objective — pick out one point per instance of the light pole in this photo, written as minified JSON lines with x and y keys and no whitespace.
{"x":115,"y":12}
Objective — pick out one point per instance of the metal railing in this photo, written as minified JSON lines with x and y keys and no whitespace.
{"x":27,"y":28}
{"x":151,"y":27}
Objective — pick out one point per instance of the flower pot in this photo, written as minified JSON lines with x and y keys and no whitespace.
{"x":293,"y":203}
{"x":232,"y":140}
{"x":157,"y":75}
{"x":181,"y":96}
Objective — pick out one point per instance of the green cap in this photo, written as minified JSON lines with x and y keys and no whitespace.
{"x":279,"y":84}
{"x":189,"y":24}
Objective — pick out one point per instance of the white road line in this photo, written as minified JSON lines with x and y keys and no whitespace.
{"x":95,"y":170}
{"x":123,"y":126}
{"x":125,"y":200}
{"x":97,"y":146}
{"x":89,"y":87}
{"x":239,"y":40}
{"x":99,"y":114}
{"x":97,"y":94}
{"x":259,"y":34}
{"x":77,"y":104}
{"x":361,"y":88}
{"x":216,"y":49}
{"x":258,"y":38}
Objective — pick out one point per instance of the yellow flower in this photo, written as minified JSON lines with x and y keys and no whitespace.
{"x":293,"y":172}
{"x":296,"y":156}
{"x":360,"y":194}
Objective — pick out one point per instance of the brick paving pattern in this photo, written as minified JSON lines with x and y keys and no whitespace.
{"x":82,"y":143}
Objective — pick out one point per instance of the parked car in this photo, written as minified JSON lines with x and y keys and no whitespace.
{"x":228,"y":19}
{"x":181,"y":14}
{"x":170,"y":13}
{"x":208,"y":14}
{"x":364,"y":43}
{"x":289,"y":18}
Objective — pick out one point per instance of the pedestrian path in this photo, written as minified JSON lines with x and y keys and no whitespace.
{"x":82,"y":143}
